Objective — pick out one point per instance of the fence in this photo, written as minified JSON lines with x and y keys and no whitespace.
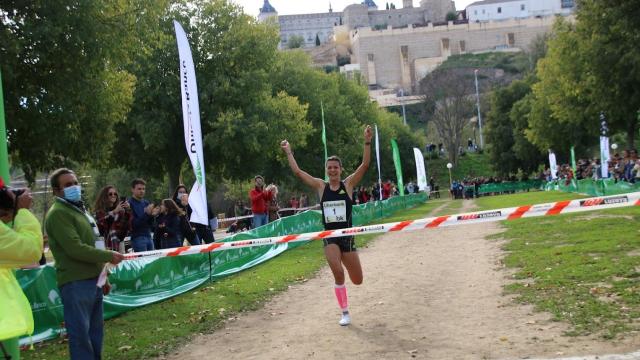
{"x":601,"y":187}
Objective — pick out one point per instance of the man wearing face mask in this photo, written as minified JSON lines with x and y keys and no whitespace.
{"x":20,"y":245}
{"x":80,"y":255}
{"x":259,"y":200}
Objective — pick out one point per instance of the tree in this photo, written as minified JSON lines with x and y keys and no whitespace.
{"x":563,"y":109}
{"x":507,"y":123}
{"x":65,"y":78}
{"x":295,"y":42}
{"x":347,"y":109}
{"x":610,"y":32}
{"x":241,"y":119}
{"x":317,"y":40}
{"x":451,"y":16}
{"x":449,"y":104}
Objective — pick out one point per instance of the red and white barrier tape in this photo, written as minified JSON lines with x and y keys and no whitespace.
{"x":561,"y":207}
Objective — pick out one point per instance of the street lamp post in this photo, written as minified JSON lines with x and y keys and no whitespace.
{"x":475,"y":72}
{"x":404,"y":115}
{"x":449,"y":166}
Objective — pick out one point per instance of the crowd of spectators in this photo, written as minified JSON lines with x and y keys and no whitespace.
{"x":623,"y":166}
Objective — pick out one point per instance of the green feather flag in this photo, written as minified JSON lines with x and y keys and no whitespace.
{"x":324,"y":141}
{"x":396,"y":161}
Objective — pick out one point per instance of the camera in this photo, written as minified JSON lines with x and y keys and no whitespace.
{"x":6,"y":201}
{"x":17,"y":192}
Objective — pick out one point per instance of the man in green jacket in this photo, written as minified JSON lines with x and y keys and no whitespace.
{"x":80,"y":257}
{"x":20,"y":245}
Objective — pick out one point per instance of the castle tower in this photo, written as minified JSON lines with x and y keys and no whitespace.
{"x":407,"y":4}
{"x":267,"y":11}
{"x":436,"y":10}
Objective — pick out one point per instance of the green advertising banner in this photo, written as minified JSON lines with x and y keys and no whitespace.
{"x":601,"y":187}
{"x":142,"y":282}
{"x":398,"y":164}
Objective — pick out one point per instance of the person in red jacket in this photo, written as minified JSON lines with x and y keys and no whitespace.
{"x":259,"y":200}
{"x":386,"y":190}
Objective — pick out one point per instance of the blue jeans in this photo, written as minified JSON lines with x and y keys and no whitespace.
{"x":142,"y":243}
{"x":82,"y":304}
{"x":259,"y":220}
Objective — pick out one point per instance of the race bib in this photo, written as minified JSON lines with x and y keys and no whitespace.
{"x":335,"y":211}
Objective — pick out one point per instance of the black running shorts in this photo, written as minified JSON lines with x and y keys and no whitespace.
{"x":345,"y":243}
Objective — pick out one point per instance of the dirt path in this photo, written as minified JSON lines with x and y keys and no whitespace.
{"x":433,"y":294}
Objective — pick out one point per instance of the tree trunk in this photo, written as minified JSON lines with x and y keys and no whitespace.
{"x":174,"y":177}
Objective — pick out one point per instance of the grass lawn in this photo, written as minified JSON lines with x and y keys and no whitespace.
{"x":157,"y":329}
{"x":584,"y":268}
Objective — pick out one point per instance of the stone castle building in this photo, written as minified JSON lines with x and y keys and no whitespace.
{"x":394,"y":49}
{"x":355,"y":16}
{"x":399,"y":58}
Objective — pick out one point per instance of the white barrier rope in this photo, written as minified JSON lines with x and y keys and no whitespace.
{"x":561,"y":207}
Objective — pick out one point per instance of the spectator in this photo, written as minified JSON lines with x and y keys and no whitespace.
{"x":20,"y":245}
{"x":113,"y":216}
{"x":386,"y":190}
{"x":79,"y":259}
{"x":195,"y":233}
{"x":293,"y":202}
{"x":304,"y":202}
{"x":167,"y":230}
{"x":273,"y":206}
{"x":363,"y":195}
{"x":181,"y":198}
{"x":142,"y":212}
{"x":411,"y":188}
{"x":376,"y":192}
{"x":259,"y":200}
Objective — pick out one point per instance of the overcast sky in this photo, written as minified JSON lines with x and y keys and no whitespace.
{"x":288,"y":7}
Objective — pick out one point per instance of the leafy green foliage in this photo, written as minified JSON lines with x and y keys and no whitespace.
{"x":507,"y":122}
{"x":346,"y":110}
{"x":64,"y":76}
{"x":295,"y":42}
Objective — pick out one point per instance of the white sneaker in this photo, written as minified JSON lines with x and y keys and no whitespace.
{"x":345,"y":320}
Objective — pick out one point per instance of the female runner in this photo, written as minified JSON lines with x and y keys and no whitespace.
{"x":335,"y":202}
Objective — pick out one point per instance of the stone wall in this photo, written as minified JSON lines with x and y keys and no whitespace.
{"x":399,"y":57}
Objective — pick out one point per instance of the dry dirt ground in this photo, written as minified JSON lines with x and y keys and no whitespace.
{"x":432,"y":294}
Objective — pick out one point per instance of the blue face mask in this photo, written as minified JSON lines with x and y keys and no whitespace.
{"x":73,"y":193}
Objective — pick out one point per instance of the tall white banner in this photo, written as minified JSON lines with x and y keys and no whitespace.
{"x":605,"y":156}
{"x":192,"y":133}
{"x":553,"y":165}
{"x":421,"y":173}
{"x":378,"y":160}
